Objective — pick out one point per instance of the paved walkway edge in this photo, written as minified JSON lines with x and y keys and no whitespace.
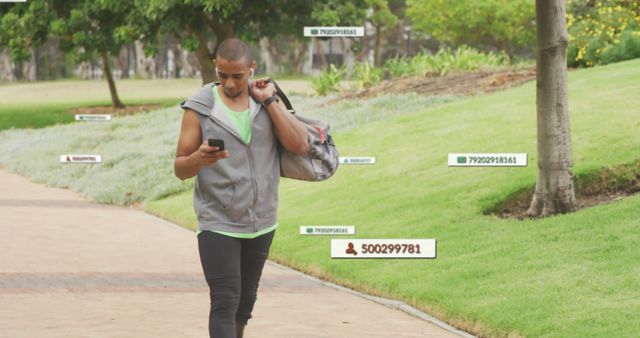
{"x":390,"y":303}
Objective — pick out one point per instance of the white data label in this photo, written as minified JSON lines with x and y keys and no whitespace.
{"x":93,"y":117}
{"x":487,"y":160}
{"x":383,"y":248}
{"x":333,"y":31}
{"x":357,"y":160}
{"x":80,"y":158}
{"x":327,"y":230}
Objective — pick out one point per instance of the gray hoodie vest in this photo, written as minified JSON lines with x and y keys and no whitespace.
{"x":239,"y":193}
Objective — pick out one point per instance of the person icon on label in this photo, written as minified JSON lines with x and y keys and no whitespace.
{"x":351,"y":250}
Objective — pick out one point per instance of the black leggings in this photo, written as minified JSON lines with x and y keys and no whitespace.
{"x":232,"y":268}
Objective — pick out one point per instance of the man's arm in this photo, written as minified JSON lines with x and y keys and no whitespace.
{"x":191,"y":156}
{"x":290,"y":132}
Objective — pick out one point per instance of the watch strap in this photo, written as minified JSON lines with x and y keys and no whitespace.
{"x":271,"y":99}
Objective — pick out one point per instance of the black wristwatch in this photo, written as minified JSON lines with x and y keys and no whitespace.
{"x":268,"y":101}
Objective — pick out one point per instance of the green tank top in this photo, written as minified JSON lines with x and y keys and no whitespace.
{"x":242,"y":119}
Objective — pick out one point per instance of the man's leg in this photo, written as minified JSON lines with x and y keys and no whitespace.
{"x":254,"y":255}
{"x":220,"y":258}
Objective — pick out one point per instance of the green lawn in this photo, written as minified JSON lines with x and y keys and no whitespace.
{"x":36,"y":116}
{"x":574,"y":275}
{"x":40,"y":104}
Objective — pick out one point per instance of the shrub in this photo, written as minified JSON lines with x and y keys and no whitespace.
{"x":328,"y":80}
{"x":399,"y":67}
{"x":627,"y":49}
{"x":367,"y":75}
{"x":602,"y":32}
{"x":464,"y":58}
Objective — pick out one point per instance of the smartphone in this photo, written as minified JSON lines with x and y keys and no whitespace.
{"x":214,"y":142}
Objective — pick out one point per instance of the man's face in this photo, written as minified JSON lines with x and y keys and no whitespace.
{"x":233,"y":76}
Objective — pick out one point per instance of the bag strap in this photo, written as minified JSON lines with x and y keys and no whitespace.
{"x":280,"y":93}
{"x":284,"y":98}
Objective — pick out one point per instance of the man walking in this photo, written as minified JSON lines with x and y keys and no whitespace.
{"x":236,"y":189}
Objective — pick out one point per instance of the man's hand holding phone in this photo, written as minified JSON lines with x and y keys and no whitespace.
{"x":210,"y":152}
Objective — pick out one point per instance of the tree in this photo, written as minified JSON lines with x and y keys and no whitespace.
{"x":554,"y":191}
{"x":94,"y":28}
{"x":402,"y":38}
{"x":195,"y":22}
{"x":381,"y":18}
{"x":503,"y":24}
{"x":24,"y":27}
{"x":337,"y":13}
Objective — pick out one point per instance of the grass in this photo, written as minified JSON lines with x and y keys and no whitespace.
{"x":574,"y":275}
{"x":77,"y":91}
{"x":17,"y":116}
{"x":292,"y":77}
{"x":137,"y":153}
{"x":41,"y":104}
{"x":345,"y":115}
{"x":138,"y":150}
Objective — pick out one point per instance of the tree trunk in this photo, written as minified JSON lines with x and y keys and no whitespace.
{"x":222,"y":31}
{"x":554,"y":188}
{"x":400,"y":39}
{"x":376,"y":49}
{"x":205,"y":60}
{"x":320,"y":52}
{"x":115,"y":100}
{"x":343,"y":50}
{"x":36,"y":62}
{"x":177,"y":58}
{"x":123,"y":62}
{"x":17,"y":70}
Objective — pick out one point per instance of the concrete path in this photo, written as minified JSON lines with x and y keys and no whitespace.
{"x":71,"y":268}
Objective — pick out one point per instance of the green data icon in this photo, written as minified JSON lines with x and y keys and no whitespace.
{"x":462,"y":159}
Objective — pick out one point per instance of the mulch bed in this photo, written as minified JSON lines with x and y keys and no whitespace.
{"x":458,"y":83}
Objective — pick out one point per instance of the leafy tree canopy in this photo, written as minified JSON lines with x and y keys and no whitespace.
{"x":504,"y":24}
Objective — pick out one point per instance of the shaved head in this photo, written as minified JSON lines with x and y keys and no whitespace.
{"x":234,"y":49}
{"x":234,"y":67}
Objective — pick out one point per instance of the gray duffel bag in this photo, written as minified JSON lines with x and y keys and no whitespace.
{"x":322,"y":160}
